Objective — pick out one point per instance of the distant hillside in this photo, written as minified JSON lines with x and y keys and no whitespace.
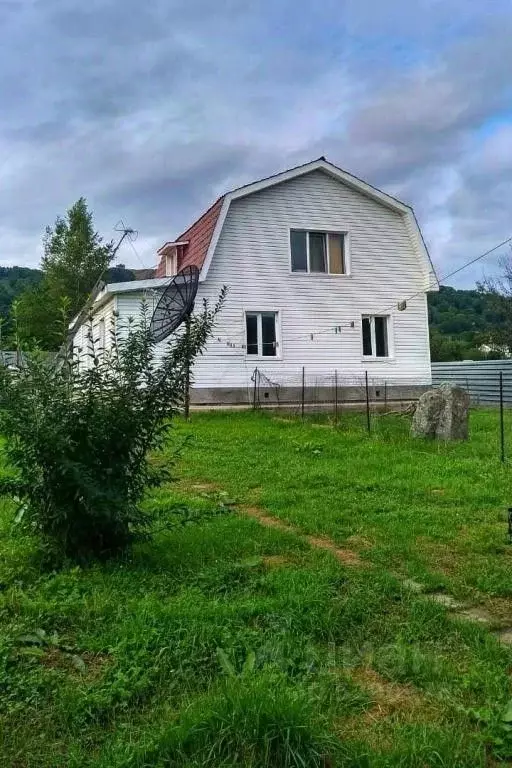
{"x":460,"y":322}
{"x":462,"y":313}
{"x":14,"y":280}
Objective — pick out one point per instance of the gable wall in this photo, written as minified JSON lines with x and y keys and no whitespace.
{"x":252,"y":258}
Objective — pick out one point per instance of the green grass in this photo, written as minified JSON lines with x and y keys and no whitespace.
{"x":233,"y":644}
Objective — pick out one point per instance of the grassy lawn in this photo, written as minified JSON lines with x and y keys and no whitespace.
{"x":236,"y":643}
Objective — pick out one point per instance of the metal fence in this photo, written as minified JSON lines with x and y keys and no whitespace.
{"x":480,"y":378}
{"x":306,"y":391}
{"x":369,"y":399}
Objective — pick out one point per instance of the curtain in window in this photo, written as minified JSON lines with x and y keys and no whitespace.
{"x":367,"y":336}
{"x":381,"y":337}
{"x":252,"y":334}
{"x":336,"y":255}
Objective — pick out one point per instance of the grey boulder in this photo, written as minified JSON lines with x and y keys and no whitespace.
{"x":442,"y":413}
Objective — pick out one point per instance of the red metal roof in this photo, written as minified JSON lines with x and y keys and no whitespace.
{"x":199,"y":236}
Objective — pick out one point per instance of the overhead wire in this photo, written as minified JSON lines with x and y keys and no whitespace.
{"x":331,"y":328}
{"x":337,"y":328}
{"x":455,"y":271}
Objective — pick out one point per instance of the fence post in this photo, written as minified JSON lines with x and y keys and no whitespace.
{"x":302,"y":392}
{"x":255,"y":375}
{"x":187,"y":370}
{"x":367,"y":402}
{"x":335,"y":398}
{"x":502,"y":425}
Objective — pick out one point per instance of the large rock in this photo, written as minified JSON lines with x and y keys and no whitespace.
{"x":427,"y":414}
{"x":454,"y":420}
{"x":442,"y":413}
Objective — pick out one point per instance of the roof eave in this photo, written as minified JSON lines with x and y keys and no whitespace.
{"x":166,"y":247}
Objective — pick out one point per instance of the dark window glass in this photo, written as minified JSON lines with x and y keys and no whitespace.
{"x":367,"y":336}
{"x":251,"y":322}
{"x":268,"y":332}
{"x":317,"y":260}
{"x":381,"y":337}
{"x":298,"y":249}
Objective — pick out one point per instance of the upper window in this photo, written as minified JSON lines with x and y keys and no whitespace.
{"x":261,"y":330}
{"x":317,"y":252}
{"x":376,"y":336}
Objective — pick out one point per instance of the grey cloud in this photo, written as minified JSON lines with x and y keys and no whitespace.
{"x":151,"y":111}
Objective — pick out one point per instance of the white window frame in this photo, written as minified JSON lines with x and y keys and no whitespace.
{"x":322,"y":231}
{"x":259,"y":313}
{"x":390,"y":339}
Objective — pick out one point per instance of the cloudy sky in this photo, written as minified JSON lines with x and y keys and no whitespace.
{"x":151,"y":110}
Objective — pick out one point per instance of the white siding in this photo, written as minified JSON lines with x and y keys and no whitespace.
{"x":82,"y":344}
{"x":252,"y":257}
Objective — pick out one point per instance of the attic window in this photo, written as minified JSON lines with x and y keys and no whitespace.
{"x":320,"y":252}
{"x":169,"y":255}
{"x":171,"y":264}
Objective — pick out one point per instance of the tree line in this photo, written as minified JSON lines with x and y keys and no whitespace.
{"x":469,"y":324}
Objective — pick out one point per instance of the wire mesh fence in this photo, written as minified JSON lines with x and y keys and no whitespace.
{"x":368,"y":400}
{"x":306,"y":392}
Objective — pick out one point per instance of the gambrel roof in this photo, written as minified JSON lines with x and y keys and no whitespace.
{"x":197,"y":244}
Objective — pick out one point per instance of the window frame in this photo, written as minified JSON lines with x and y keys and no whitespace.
{"x":259,"y":334}
{"x":323,"y":231}
{"x":389,"y":333}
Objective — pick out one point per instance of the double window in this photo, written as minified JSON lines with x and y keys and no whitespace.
{"x":375,"y":336}
{"x":261,"y":333}
{"x":318,"y":252}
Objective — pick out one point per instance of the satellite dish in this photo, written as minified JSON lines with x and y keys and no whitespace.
{"x":175,"y":304}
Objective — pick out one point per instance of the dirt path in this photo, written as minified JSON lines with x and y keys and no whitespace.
{"x":346,"y":556}
{"x":498,"y":625}
{"x":352,"y":558}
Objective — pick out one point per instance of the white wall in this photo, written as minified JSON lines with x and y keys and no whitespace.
{"x":252,"y":257}
{"x":82,"y":343}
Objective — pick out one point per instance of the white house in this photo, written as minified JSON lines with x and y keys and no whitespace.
{"x":324,"y":272}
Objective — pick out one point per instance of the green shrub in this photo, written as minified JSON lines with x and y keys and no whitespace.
{"x":79,"y":436}
{"x":251,"y":720}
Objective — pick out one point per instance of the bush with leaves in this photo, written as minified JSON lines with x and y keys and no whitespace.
{"x":79,"y":437}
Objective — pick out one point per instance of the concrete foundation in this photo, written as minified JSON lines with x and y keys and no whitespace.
{"x":313,"y":396}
